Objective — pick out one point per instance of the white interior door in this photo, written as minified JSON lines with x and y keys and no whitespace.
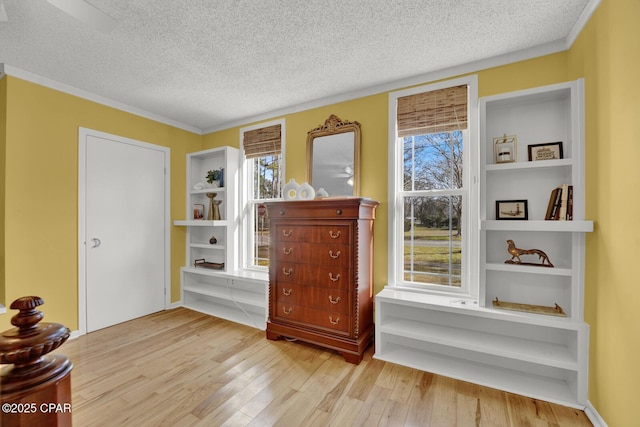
{"x":124,"y":229}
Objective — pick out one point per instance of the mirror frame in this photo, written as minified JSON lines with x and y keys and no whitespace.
{"x":333,"y":126}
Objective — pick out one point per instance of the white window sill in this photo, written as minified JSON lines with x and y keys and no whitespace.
{"x":430,"y":297}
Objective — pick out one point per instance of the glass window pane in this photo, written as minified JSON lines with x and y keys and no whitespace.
{"x":433,"y":161}
{"x":261,"y":235}
{"x":432,"y":240}
{"x":266,"y":177}
{"x":266,"y":185}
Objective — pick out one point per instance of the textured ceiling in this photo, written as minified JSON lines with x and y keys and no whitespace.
{"x":206,"y":64}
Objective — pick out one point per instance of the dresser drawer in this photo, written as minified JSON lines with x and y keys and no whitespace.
{"x":330,"y":300}
{"x":318,"y":209}
{"x":312,"y":318}
{"x":289,"y":293}
{"x":330,"y":277}
{"x":327,"y":233}
{"x":313,"y":253}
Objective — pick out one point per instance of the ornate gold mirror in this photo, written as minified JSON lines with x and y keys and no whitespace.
{"x":333,"y":157}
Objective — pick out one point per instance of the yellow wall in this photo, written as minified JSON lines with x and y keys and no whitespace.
{"x":41,"y":191}
{"x":607,"y":54}
{"x":41,"y":213}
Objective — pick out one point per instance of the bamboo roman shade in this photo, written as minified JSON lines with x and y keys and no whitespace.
{"x":442,"y":110}
{"x":262,"y":142}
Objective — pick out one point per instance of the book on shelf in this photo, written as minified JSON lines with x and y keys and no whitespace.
{"x":560,"y":206}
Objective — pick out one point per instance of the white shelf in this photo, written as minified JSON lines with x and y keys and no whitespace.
{"x":228,"y":294}
{"x":207,"y":246}
{"x":466,"y":307}
{"x":532,"y":355}
{"x":201,"y":223}
{"x":231,"y":313}
{"x":502,"y":167}
{"x":513,"y":381}
{"x":538,"y":352}
{"x":550,"y":271}
{"x":555,"y":226}
{"x":209,"y":190}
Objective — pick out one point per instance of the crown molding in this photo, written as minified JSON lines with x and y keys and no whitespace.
{"x":584,"y":17}
{"x":61,"y":87}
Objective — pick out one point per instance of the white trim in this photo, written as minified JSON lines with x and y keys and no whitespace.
{"x":176,"y":304}
{"x":52,"y":84}
{"x":594,"y":416}
{"x":246,"y":177}
{"x":83,"y":133}
{"x":470,"y":251}
{"x":584,"y":17}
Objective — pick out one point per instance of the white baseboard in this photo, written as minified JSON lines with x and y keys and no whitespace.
{"x":594,"y":416}
{"x":175,"y":304}
{"x":75,"y":334}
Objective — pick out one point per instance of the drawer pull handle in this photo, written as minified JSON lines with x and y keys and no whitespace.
{"x":287,"y":272}
{"x":334,"y":322}
{"x":332,"y":301}
{"x":287,"y":251}
{"x":287,"y":233}
{"x":334,"y":279}
{"x":285,"y":311}
{"x":334,"y":236}
{"x":334,"y":256}
{"x":338,"y":211}
{"x":287,"y":293}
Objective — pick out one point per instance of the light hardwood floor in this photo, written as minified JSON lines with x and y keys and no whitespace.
{"x":183,"y":368}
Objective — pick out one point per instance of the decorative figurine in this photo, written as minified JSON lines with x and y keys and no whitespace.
{"x":516,"y":252}
{"x":505,"y":148}
{"x":214,"y":209}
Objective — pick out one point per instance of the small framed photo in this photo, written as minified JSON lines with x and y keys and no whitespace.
{"x":512,"y":209}
{"x":546,"y":151}
{"x":198,"y":211}
{"x":504,"y":148}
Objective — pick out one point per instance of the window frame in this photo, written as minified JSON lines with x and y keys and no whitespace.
{"x":246,"y":217}
{"x":470,"y":196}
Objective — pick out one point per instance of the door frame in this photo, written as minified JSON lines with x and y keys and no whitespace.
{"x":83,"y":133}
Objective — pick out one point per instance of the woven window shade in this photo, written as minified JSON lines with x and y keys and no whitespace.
{"x":262,"y":142}
{"x":442,"y":110}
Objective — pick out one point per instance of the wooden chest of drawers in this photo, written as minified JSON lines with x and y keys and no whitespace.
{"x":320,"y":274}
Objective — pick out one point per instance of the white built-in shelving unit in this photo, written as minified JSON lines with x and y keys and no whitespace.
{"x":537,"y":355}
{"x":228,"y":293}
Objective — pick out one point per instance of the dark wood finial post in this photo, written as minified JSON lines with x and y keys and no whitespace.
{"x":35,"y":388}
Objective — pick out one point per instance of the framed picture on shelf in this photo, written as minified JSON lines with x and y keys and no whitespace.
{"x":198,"y":211}
{"x":504,"y":148}
{"x":545,"y":151}
{"x":512,"y":209}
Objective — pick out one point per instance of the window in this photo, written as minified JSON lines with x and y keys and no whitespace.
{"x":432,"y":233}
{"x":262,"y":173}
